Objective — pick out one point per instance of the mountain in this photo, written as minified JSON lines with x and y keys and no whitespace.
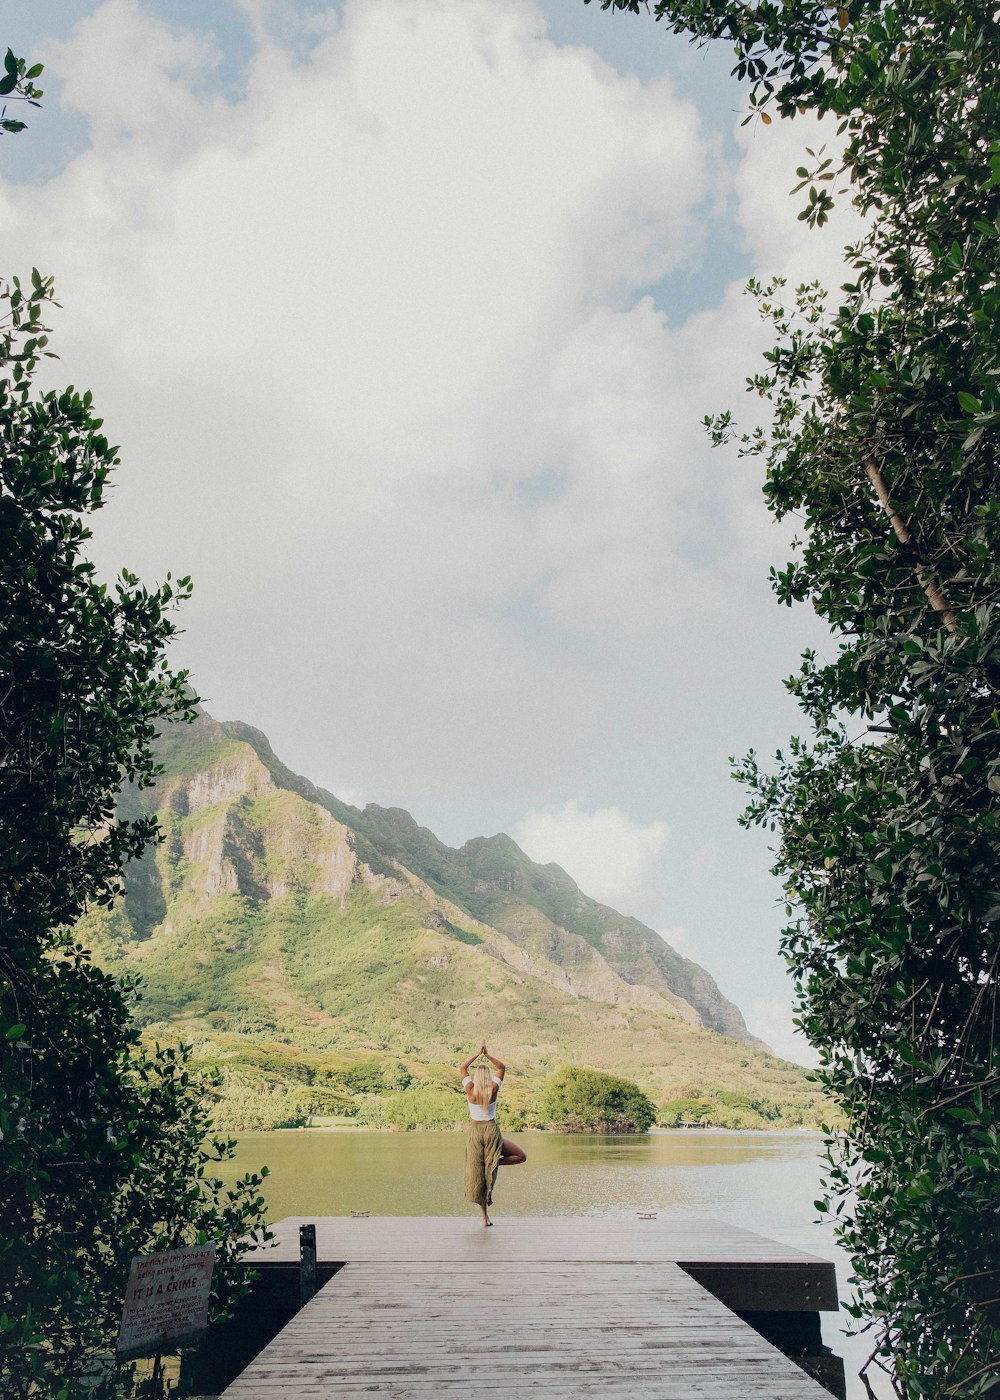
{"x":539,"y":907}
{"x":316,"y":944}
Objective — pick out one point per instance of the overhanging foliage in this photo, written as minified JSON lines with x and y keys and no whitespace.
{"x":105,"y":1147}
{"x":883,"y":437}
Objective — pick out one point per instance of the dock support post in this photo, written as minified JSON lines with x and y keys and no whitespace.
{"x":307,"y":1263}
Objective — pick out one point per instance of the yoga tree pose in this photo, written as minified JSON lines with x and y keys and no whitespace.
{"x":485,"y":1150}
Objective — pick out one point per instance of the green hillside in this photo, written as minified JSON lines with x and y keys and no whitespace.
{"x":336,"y":961}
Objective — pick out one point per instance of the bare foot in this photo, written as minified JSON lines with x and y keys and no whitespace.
{"x":487,"y":1224}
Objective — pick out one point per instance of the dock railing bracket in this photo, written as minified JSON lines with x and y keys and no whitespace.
{"x":307,"y":1263}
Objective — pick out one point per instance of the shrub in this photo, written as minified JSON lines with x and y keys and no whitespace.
{"x":578,"y":1100}
{"x":690,"y":1110}
{"x":249,"y":1106}
{"x":414,"y":1108}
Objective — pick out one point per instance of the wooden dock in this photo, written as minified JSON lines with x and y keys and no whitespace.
{"x":549,"y":1308}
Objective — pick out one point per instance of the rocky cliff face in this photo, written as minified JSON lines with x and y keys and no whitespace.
{"x":243,"y":833}
{"x":507,"y":879}
{"x":545,"y":911}
{"x":229,"y":829}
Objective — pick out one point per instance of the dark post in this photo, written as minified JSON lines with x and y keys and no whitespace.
{"x":307,"y":1263}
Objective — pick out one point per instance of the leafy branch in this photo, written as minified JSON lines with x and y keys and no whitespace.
{"x":882,"y":438}
{"x":18,"y":82}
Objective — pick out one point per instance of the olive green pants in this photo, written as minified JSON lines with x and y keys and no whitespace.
{"x":483,"y":1150}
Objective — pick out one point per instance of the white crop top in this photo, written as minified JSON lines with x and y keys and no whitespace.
{"x":477,"y":1113}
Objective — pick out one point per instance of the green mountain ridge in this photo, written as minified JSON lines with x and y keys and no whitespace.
{"x":312,"y":944}
{"x":492,"y":879}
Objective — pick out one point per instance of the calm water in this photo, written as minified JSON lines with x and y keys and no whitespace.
{"x":762,"y":1181}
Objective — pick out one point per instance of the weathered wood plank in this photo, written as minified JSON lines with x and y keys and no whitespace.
{"x":405,"y":1329}
{"x":461,"y":1239}
{"x":670,"y":1385}
{"x":742,"y":1269}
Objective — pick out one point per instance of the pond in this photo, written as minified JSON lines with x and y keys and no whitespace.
{"x":765,"y":1182}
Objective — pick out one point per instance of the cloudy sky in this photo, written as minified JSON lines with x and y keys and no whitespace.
{"x":405,"y":314}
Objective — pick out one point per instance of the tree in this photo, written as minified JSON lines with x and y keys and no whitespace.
{"x":588,"y":1101}
{"x":883,"y":434}
{"x":104,"y":1145}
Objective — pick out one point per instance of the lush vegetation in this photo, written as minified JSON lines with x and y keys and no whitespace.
{"x":369,"y":985}
{"x":261,"y":1089}
{"x":582,"y":1100}
{"x":105,"y":1145}
{"x":883,"y":439}
{"x":266,"y":1086}
{"x":539,"y":907}
{"x":712,"y":1105}
{"x":248,"y":1105}
{"x":420,"y":1107}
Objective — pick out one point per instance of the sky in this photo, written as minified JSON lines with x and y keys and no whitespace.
{"x":405,"y":315}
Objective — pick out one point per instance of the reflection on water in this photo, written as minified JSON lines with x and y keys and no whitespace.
{"x":421,"y":1174}
{"x":761,"y":1181}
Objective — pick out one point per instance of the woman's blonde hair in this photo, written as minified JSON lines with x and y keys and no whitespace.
{"x":482,"y":1086}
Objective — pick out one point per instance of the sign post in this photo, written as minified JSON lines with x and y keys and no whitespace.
{"x":307,"y":1263}
{"x":166,"y":1301}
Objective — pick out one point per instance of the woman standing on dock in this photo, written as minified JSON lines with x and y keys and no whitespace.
{"x":485,"y":1151}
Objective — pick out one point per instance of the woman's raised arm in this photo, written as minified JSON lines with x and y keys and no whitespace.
{"x":465,"y":1067}
{"x":498,"y":1065}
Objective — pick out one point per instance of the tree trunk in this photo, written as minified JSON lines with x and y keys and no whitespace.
{"x":935,"y":597}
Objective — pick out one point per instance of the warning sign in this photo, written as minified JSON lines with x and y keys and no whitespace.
{"x":166,"y":1302}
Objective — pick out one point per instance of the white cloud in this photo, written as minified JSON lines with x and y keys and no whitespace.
{"x":340,"y":329}
{"x":130,"y":74}
{"x":386,"y":271}
{"x":768,"y":211}
{"x":611,"y":857}
{"x":372,"y":338}
{"x":771,"y":1018}
{"x":680,"y":940}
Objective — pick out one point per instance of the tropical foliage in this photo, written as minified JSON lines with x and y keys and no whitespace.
{"x":267,"y":1086}
{"x":717,"y":1107}
{"x":293,"y":952}
{"x":105,"y":1147}
{"x":586,"y":1101}
{"x":249,"y":1105}
{"x":883,"y":439}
